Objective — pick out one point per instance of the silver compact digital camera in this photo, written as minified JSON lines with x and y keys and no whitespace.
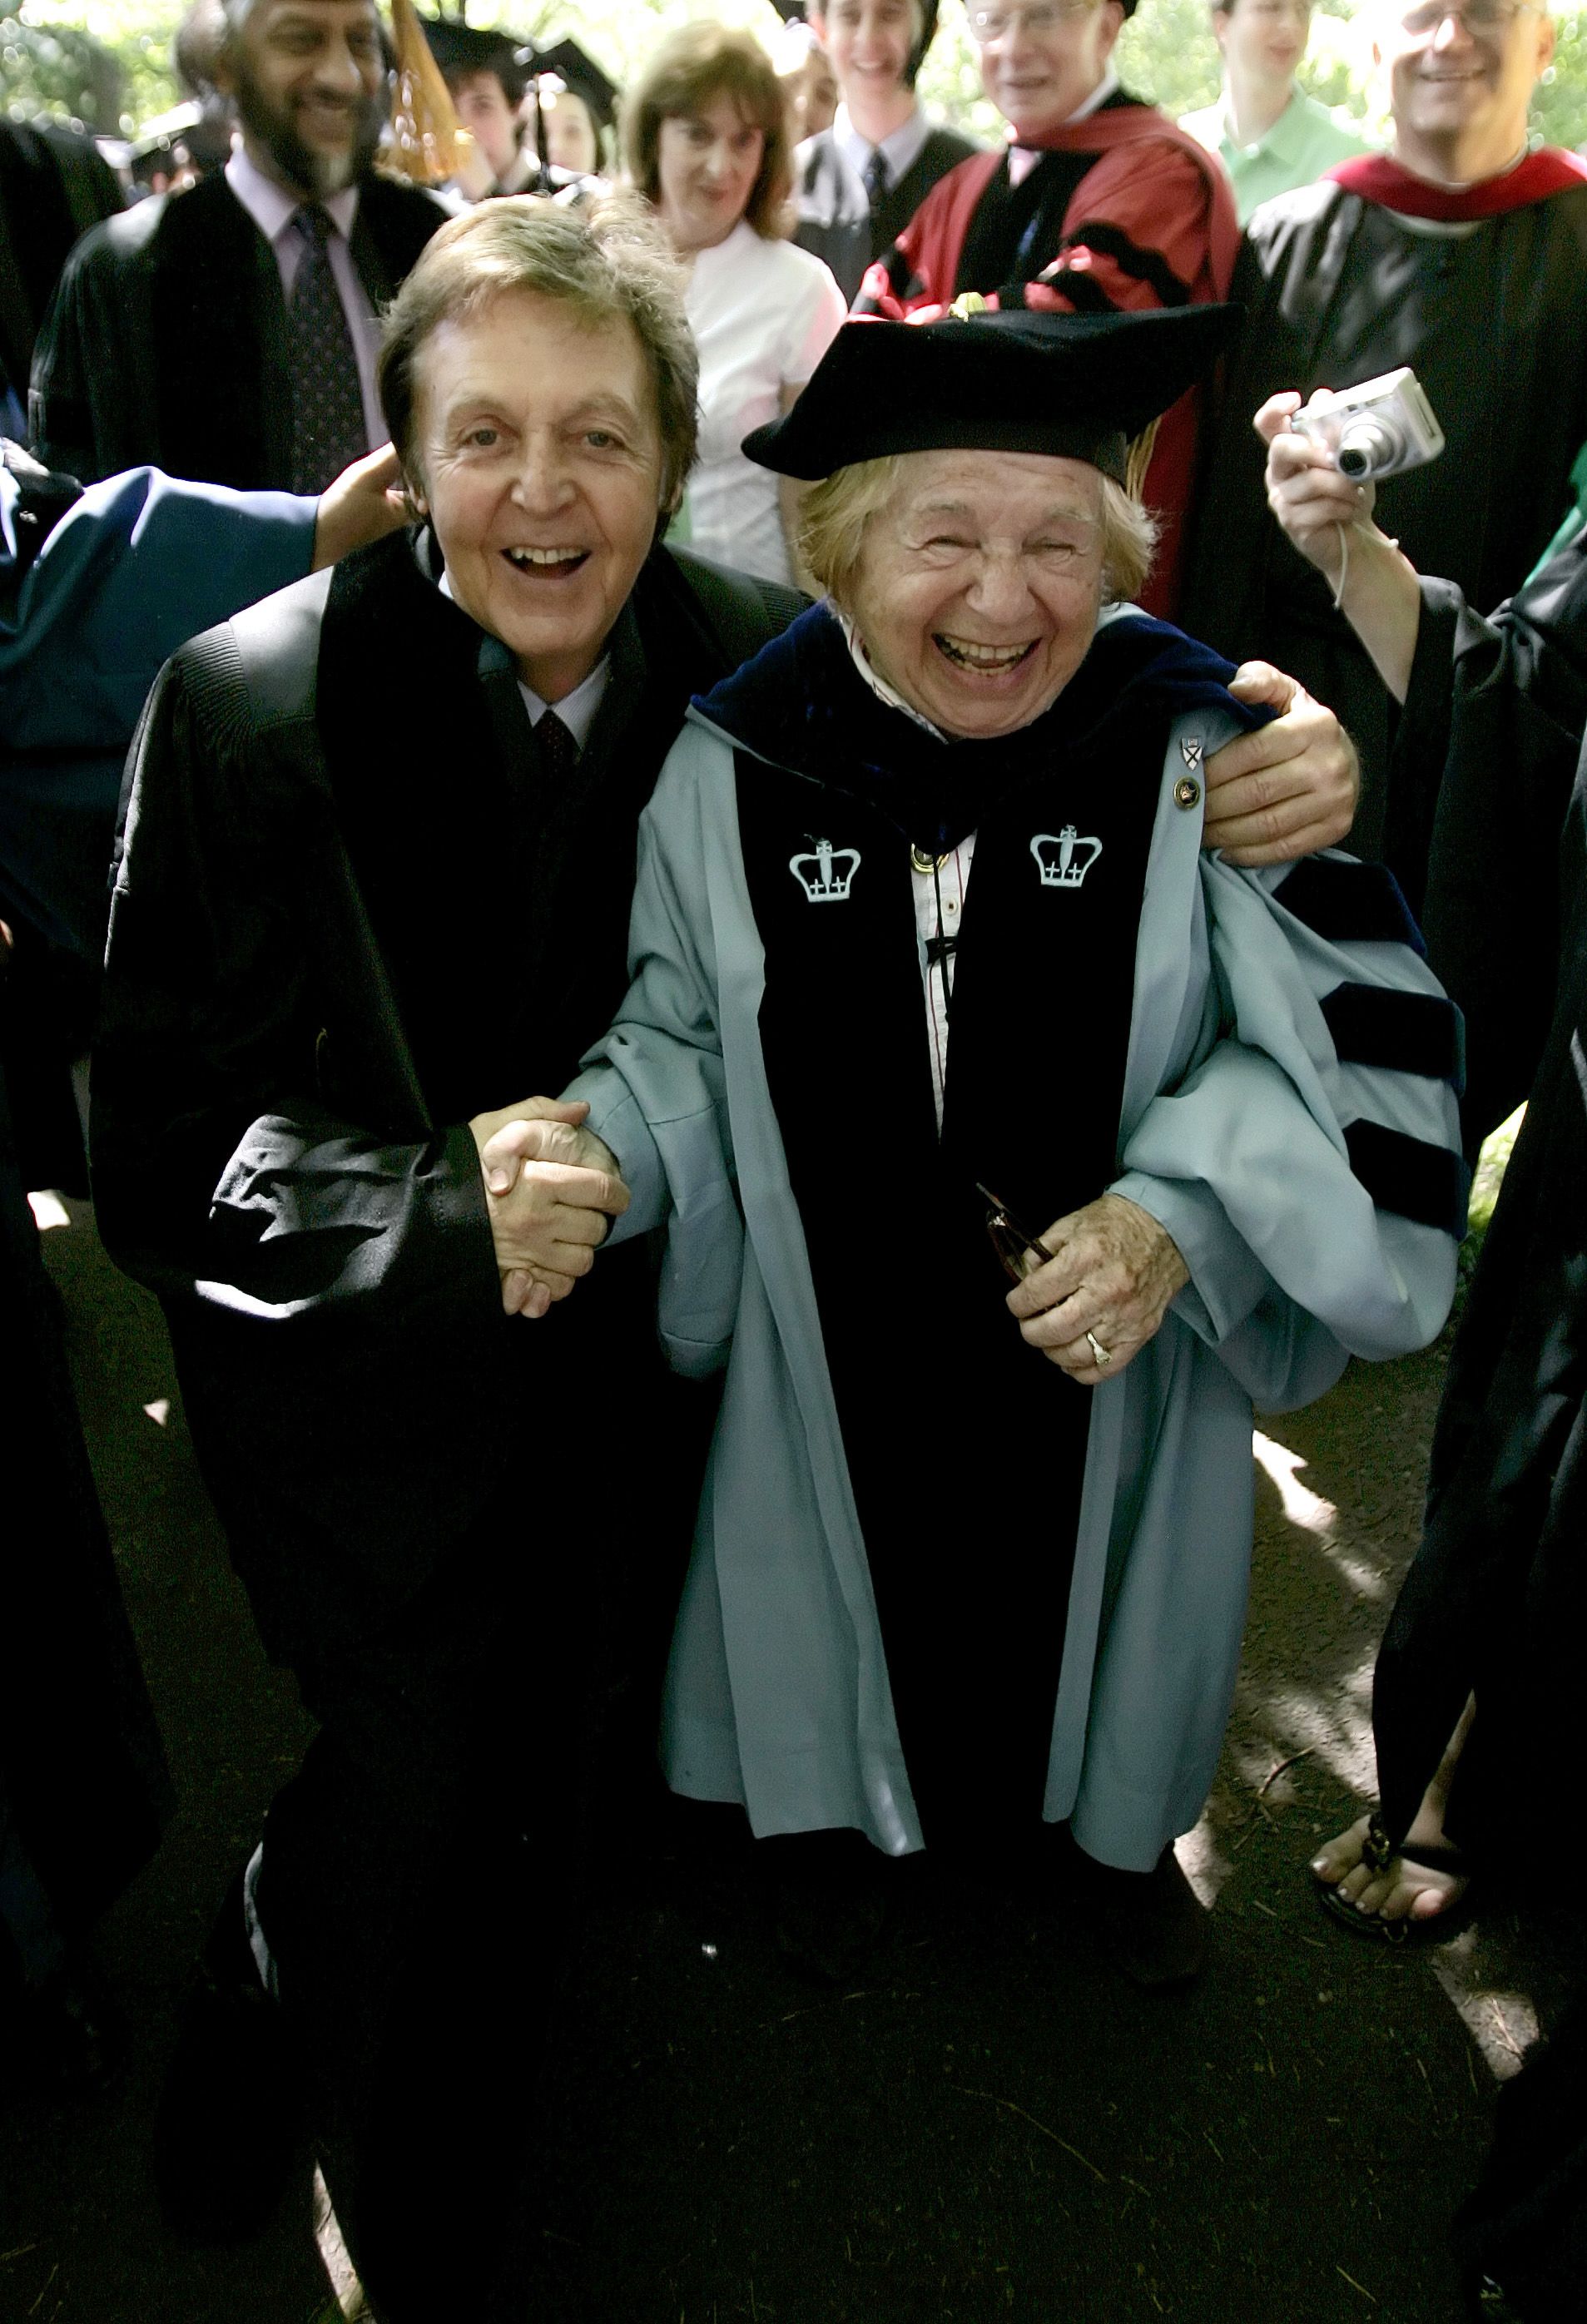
{"x":1380,"y":428}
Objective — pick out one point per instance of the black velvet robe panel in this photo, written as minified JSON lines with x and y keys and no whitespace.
{"x":347,"y":920}
{"x":966,"y":1448}
{"x":1495,"y":326}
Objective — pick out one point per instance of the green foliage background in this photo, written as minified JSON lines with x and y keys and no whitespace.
{"x":104,"y":62}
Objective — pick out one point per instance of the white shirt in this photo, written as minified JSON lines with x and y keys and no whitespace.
{"x":763,"y":314}
{"x":575,"y":710}
{"x":900,"y":151}
{"x":272,"y":210}
{"x":1023,"y":159}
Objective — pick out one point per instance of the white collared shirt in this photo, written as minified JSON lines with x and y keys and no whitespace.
{"x":900,"y":151}
{"x":1023,"y":159}
{"x":272,"y":210}
{"x":575,"y":710}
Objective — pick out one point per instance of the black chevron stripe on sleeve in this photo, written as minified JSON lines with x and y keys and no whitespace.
{"x":1403,"y":1032}
{"x":1405,"y":1175}
{"x":1083,"y":292}
{"x":1349,"y":902}
{"x":1146,"y":265}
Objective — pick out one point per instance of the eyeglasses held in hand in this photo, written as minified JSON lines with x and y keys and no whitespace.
{"x":1009,"y":1238}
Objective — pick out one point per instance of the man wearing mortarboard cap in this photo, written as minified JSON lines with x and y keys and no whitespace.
{"x":229,"y":333}
{"x":1096,"y":205}
{"x":954,"y":956}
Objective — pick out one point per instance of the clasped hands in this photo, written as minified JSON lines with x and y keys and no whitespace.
{"x":550,"y":1186}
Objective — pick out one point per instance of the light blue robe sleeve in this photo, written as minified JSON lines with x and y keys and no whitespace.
{"x":656,"y":1084}
{"x":1245,"y":1159}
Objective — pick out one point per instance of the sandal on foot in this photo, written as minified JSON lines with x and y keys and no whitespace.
{"x":1378,"y":1852}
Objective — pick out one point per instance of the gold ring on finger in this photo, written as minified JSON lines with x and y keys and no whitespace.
{"x":1102,"y":1356}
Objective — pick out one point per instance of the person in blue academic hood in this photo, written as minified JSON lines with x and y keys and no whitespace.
{"x":925,"y":944}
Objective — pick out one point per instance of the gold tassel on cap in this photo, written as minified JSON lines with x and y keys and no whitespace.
{"x":1138,"y":460}
{"x":425,"y":131}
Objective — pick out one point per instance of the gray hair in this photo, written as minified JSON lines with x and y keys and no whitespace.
{"x":608,"y":261}
{"x":834,"y":514}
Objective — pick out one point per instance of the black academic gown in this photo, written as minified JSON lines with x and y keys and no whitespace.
{"x":166,"y":344}
{"x":1484,"y":758}
{"x":1338,"y":290}
{"x":54,"y":186}
{"x":349,"y":914}
{"x":1493,"y":1600}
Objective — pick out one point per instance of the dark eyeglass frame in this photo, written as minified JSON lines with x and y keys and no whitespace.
{"x":1008,"y":1238}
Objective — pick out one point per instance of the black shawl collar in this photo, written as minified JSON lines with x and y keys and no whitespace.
{"x":802,"y":705}
{"x":500,"y":910}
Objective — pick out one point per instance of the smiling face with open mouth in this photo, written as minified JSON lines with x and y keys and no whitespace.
{"x":979,"y":584}
{"x":541,"y":474}
{"x":1459,"y":91}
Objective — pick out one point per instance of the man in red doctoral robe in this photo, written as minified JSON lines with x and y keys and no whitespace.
{"x":1097,"y":203}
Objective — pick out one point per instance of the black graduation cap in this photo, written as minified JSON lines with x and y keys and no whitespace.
{"x":578,"y":71}
{"x":1079,"y":387}
{"x":460,"y":48}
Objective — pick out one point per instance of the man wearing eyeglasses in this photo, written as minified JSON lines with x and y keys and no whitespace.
{"x":1269,"y":135}
{"x":1461,"y":254}
{"x":1097,"y":203}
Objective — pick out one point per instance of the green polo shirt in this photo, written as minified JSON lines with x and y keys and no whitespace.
{"x":1304,"y":141}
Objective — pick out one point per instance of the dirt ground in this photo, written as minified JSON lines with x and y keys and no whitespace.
{"x":991,"y":2126}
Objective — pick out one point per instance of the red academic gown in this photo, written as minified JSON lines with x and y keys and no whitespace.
{"x":1134,"y":215}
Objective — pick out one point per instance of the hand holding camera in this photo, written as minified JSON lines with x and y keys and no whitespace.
{"x":1328,"y":514}
{"x":1380,"y":428}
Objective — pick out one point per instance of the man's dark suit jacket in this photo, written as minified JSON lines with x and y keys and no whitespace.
{"x":350,"y":913}
{"x":166,"y":345}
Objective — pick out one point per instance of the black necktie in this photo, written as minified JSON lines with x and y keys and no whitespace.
{"x":328,"y":401}
{"x":555,"y":748}
{"x":878,"y":177}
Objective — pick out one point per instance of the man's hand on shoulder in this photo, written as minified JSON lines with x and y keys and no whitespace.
{"x":550,"y":1185}
{"x":1289,"y":788}
{"x":364,"y":503}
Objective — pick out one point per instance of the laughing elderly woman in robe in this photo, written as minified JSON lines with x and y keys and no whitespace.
{"x":925,"y":942}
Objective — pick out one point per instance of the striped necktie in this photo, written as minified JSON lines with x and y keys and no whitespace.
{"x":328,"y":400}
{"x":877,"y":178}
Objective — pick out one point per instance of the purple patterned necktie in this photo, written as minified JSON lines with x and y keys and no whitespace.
{"x":328,"y":401}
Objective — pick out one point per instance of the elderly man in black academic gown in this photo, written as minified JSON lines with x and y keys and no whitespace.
{"x":379,"y":853}
{"x":229,"y":333}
